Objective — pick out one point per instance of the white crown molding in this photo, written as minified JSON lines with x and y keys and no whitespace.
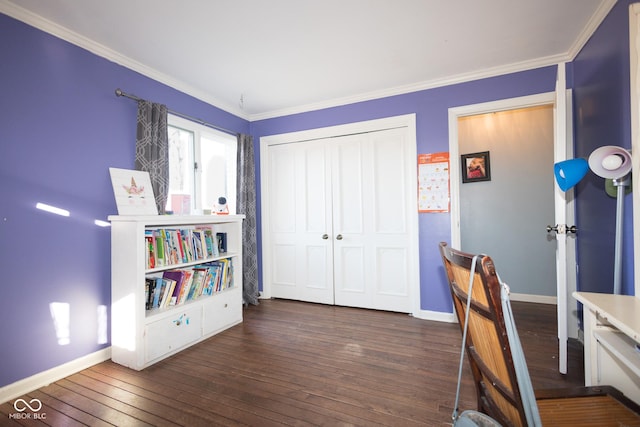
{"x":416,"y":87}
{"x":92,"y":46}
{"x":591,"y":27}
{"x":37,"y":21}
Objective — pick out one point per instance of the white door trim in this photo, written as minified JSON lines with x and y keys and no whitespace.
{"x":634,"y":54}
{"x":561,"y":147}
{"x":454,"y":166}
{"x":405,"y":121}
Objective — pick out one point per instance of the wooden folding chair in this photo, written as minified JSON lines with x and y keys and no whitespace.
{"x":491,"y":356}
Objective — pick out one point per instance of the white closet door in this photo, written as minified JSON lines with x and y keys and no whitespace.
{"x":301,"y":260}
{"x":371,"y":238}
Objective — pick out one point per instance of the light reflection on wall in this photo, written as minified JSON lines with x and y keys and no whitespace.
{"x":60,"y":313}
{"x":102,"y":324}
{"x":52,"y":209}
{"x":64,"y":212}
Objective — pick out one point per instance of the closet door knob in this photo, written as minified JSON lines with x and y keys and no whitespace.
{"x":325,"y":236}
{"x":339,"y":237}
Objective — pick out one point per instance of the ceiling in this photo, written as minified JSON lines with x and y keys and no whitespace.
{"x":260,"y":59}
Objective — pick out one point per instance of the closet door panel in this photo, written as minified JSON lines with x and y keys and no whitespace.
{"x":369,"y":171}
{"x":348,"y":198}
{"x":349,"y":221}
{"x":315,"y":255}
{"x":282,"y":192}
{"x":301,"y":258}
{"x":389,"y":192}
{"x":350,"y":272}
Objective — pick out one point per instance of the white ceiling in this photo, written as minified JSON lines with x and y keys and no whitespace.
{"x":264,"y":58}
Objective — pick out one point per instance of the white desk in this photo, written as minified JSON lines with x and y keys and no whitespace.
{"x":611,"y":332}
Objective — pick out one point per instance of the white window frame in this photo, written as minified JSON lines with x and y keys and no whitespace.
{"x":199,"y":131}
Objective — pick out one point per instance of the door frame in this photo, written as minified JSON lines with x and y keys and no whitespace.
{"x":454,"y":151}
{"x":634,"y":56}
{"x":564,"y":208}
{"x":408,"y":122}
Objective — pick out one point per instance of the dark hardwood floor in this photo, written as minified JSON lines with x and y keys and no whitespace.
{"x":299,"y":364}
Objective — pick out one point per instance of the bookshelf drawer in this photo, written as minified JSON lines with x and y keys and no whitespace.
{"x":173,"y":332}
{"x":222,"y":310}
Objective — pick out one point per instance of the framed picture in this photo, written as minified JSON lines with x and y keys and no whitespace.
{"x":133,"y":192}
{"x":475,"y":167}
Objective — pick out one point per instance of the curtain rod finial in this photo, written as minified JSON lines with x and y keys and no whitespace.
{"x":118,"y":92}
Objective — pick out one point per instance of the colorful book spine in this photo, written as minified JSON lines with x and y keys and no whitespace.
{"x":179,"y":285}
{"x":151,"y":256}
{"x":158,"y":243}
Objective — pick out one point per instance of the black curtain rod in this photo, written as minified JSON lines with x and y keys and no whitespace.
{"x":119,"y":92}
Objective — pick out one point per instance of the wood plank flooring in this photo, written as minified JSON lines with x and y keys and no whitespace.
{"x":298,"y":364}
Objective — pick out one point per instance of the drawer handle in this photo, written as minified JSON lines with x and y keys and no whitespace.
{"x":179,"y":320}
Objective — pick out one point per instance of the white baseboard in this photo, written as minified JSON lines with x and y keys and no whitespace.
{"x":540,"y":299}
{"x":451,"y":317}
{"x":437,"y":316}
{"x":49,"y":376}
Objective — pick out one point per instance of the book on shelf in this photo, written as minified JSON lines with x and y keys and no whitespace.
{"x":172,"y":246}
{"x":210,"y":281}
{"x":158,"y":241}
{"x":149,"y":288}
{"x":221,"y":240}
{"x":151,"y":250}
{"x":221,"y":273}
{"x":158,"y":290}
{"x":185,"y":287}
{"x":177,"y":276}
{"x":210,"y":242}
{"x":167,"y":295}
{"x":199,"y":276}
{"x":179,"y":285}
{"x":177,"y":236}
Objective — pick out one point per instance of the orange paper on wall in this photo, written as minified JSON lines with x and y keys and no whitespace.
{"x":433,"y":182}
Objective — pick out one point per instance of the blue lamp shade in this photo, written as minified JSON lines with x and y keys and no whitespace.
{"x":569,"y":172}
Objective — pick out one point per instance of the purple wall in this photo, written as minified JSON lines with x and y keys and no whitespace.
{"x":602,"y":117}
{"x":431,"y":109}
{"x":61,"y":128}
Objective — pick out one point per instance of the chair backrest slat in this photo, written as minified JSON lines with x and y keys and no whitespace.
{"x":487,"y":345}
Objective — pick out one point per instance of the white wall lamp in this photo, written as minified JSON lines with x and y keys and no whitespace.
{"x":612,"y":163}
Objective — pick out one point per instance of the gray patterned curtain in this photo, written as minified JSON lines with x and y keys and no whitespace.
{"x":152,"y":149}
{"x":246,"y":205}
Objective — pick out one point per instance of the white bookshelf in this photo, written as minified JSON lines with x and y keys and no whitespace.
{"x":141,"y":337}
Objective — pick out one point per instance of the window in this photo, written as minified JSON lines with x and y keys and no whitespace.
{"x":202,"y":167}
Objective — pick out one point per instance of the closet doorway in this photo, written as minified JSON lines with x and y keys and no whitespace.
{"x":339,"y":215}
